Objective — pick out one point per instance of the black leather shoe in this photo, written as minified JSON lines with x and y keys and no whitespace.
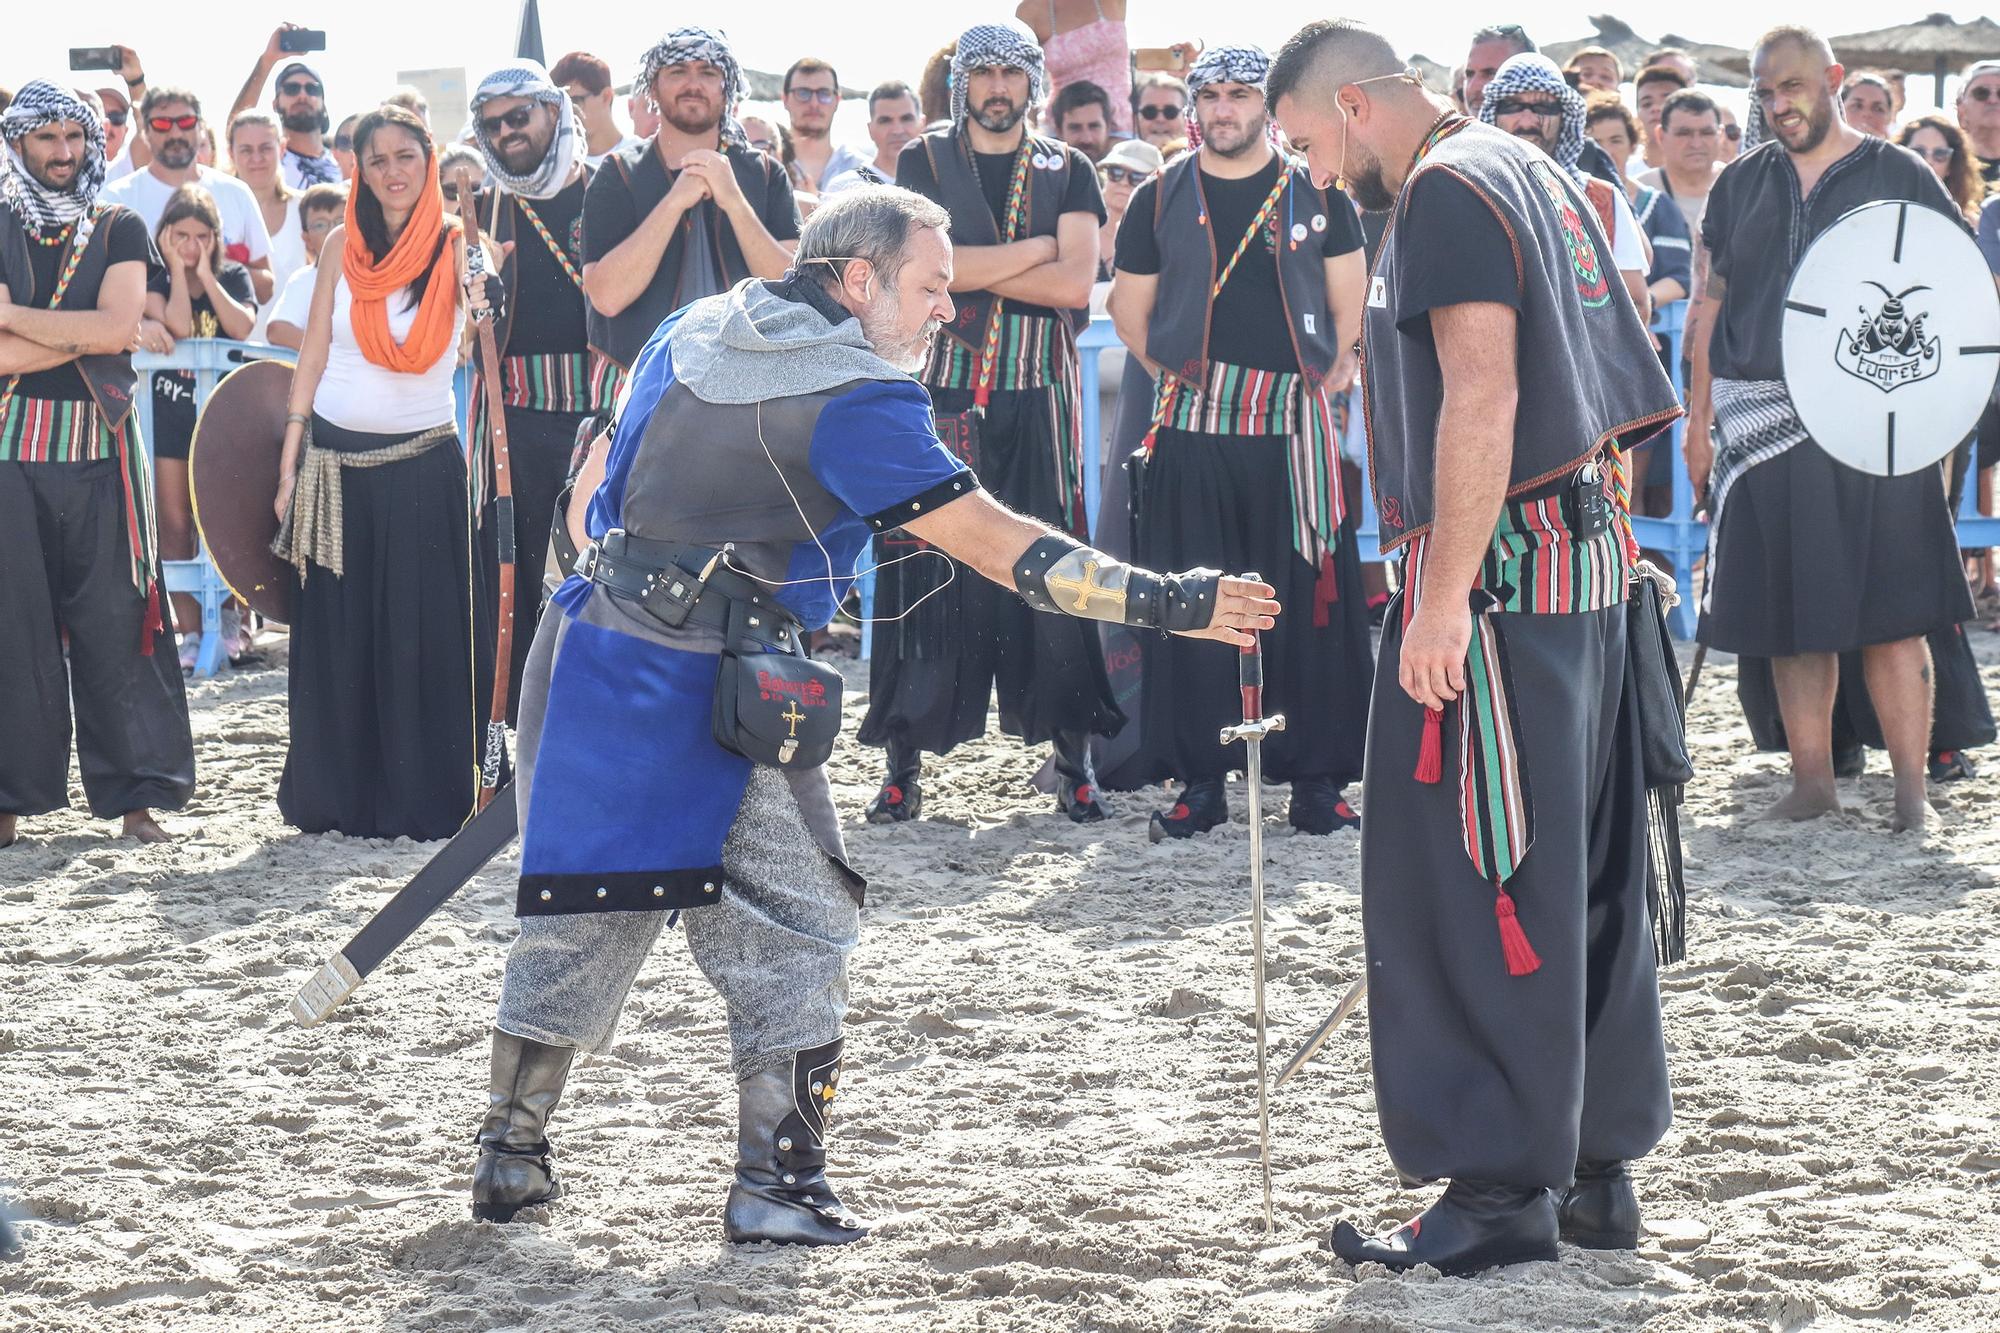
{"x":1601,"y":1210}
{"x":1851,"y":762}
{"x":1202,"y":806}
{"x":901,"y":798}
{"x":1319,"y":806}
{"x":1952,"y":766}
{"x":1473,"y":1227}
{"x":1076,"y":780}
{"x":515,"y":1168}
{"x":781,"y":1194}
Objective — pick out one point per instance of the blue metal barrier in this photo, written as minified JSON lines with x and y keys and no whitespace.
{"x":210,"y":359}
{"x":1680,"y":536}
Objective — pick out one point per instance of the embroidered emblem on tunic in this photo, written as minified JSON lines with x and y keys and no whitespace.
{"x":1584,"y":264}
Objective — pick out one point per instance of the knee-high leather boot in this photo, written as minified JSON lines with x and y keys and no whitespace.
{"x":780,"y":1193}
{"x":515,"y":1170}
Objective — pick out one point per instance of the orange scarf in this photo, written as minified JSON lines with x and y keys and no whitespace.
{"x":372,"y":284}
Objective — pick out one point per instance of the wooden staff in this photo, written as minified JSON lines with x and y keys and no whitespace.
{"x":503,"y":507}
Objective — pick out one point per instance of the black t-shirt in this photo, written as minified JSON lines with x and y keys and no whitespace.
{"x":611,"y":213}
{"x":1755,"y":244}
{"x":548,"y":305}
{"x":1450,"y":250}
{"x":173,"y":394}
{"x":1248,"y":328}
{"x":129,"y":242}
{"x":996,"y":177}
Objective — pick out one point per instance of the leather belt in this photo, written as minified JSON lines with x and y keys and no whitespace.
{"x":680,"y":584}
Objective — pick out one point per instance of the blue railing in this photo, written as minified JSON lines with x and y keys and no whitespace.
{"x":210,"y":359}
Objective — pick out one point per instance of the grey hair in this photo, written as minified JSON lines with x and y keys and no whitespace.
{"x":869,"y":222}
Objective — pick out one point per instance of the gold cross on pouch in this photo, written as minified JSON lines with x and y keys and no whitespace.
{"x":1084,"y":588}
{"x":793,"y":716}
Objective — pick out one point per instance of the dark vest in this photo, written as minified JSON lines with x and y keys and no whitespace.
{"x":950,"y":157}
{"x":1588,"y":375}
{"x":621,"y":336}
{"x":1179,"y":333}
{"x":110,"y":379}
{"x":500,"y":225}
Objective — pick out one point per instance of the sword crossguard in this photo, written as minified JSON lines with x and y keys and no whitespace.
{"x":1256,"y":729}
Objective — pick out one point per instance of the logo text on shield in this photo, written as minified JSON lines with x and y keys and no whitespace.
{"x":1888,"y":348}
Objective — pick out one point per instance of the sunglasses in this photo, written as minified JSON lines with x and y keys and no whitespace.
{"x":1985,"y":92}
{"x":807,"y":96}
{"x":1514,"y":106}
{"x":1119,"y":175}
{"x":297,"y":88}
{"x":163,"y":123}
{"x":115,"y":117}
{"x":1936,"y":154}
{"x":1162,"y":112}
{"x":517,"y":119}
{"x":1732,"y":132}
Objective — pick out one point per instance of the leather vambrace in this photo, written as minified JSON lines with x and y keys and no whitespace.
{"x":1061,"y":574}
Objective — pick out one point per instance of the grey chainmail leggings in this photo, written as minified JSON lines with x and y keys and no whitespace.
{"x":774,"y":944}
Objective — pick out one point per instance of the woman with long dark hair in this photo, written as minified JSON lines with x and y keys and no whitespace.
{"x":389,"y":672}
{"x":1941,"y":143}
{"x":200,"y":295}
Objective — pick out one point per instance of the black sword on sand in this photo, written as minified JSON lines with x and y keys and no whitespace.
{"x":478,"y":842}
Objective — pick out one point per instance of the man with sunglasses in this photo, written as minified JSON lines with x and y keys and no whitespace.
{"x":812,"y":96}
{"x":528,"y":130}
{"x":170,"y":121}
{"x":1979,"y":116}
{"x":1513,"y":1011}
{"x":1239,"y":285}
{"x":587,"y":80}
{"x":1162,"y":109}
{"x":298,"y":95}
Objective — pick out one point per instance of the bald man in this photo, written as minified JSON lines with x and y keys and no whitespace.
{"x":1514,"y":1014}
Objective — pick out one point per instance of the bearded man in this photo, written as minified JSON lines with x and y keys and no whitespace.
{"x":767,"y":433}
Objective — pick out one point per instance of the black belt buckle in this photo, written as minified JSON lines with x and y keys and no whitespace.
{"x":1585,"y":504}
{"x":671,"y":593}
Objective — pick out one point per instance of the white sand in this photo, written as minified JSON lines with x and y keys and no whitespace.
{"x":1051,"y":1104}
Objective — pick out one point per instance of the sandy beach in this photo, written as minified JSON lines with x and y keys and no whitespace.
{"x":1051,"y":1095}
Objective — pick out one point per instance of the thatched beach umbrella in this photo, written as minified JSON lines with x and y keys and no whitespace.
{"x":1937,"y":45}
{"x":1724,"y":66}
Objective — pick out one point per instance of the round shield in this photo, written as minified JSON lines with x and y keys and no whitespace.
{"x":1891,"y":337}
{"x":239,"y":441}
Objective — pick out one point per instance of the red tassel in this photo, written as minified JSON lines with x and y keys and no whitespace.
{"x":1430,"y":753}
{"x":1521,"y":958}
{"x":1326,"y":591}
{"x":152,"y":623}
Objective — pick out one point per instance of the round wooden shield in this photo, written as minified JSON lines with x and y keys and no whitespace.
{"x":239,"y":441}
{"x":1891,"y":337}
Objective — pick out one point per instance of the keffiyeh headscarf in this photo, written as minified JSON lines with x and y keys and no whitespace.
{"x":693,"y":43}
{"x":1008,"y":43}
{"x":527,"y":78}
{"x":1532,"y":73}
{"x":35,"y":204}
{"x":1226,"y":64}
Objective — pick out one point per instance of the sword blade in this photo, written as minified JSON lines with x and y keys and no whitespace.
{"x":1254,"y":775}
{"x":1348,"y":1003}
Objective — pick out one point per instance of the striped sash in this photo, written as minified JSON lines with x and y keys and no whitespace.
{"x":1238,"y":400}
{"x":1034,"y":352}
{"x":539,"y":382}
{"x":54,"y":430}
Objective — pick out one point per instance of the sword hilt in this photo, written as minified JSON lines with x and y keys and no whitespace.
{"x":1250,"y":672}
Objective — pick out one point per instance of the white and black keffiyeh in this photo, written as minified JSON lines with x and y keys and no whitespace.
{"x":1243,"y":64}
{"x":35,"y":204}
{"x":1532,"y":73}
{"x":1756,"y":421}
{"x":695,"y":43}
{"x":1010,"y":43}
{"x":527,"y":78}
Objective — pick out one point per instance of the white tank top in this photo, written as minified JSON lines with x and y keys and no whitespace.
{"x":357,"y":394}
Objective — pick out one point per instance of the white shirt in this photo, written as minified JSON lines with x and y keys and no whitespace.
{"x":597,"y":159}
{"x":242,"y":221}
{"x":1628,"y":243}
{"x":295,"y":299}
{"x":356,"y":394}
{"x":288,"y":256}
{"x":295,"y":175}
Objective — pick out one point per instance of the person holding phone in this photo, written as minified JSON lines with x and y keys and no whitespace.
{"x":298,"y":95}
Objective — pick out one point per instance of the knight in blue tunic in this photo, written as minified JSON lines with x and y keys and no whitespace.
{"x":770,"y":431}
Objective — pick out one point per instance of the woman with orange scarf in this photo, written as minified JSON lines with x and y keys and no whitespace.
{"x":390,"y":665}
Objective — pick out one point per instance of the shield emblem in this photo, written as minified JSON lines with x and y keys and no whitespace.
{"x":1891,"y":337}
{"x":239,"y":441}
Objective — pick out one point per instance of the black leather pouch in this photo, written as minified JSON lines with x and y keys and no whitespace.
{"x":772,"y":707}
